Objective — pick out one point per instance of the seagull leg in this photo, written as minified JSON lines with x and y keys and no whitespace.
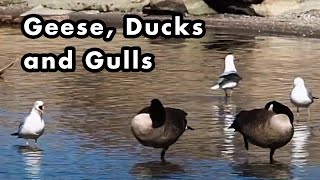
{"x":163,"y":153}
{"x":226,"y":92}
{"x":36,"y":142}
{"x":297,"y":112}
{"x":309,"y":115}
{"x":231,"y":91}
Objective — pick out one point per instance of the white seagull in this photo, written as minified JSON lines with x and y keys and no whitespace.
{"x":33,"y":125}
{"x":301,"y":96}
{"x":229,"y":79}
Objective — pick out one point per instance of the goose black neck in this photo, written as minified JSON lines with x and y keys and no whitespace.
{"x":279,"y":108}
{"x":157,"y":113}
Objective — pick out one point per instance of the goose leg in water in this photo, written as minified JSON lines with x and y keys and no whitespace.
{"x":246,"y":144}
{"x":309,"y":115}
{"x":163,"y":153}
{"x":271,"y":155}
{"x":226,"y":92}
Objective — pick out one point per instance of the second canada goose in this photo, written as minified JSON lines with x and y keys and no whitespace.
{"x":269,"y":127}
{"x":229,"y":79}
{"x":159,"y":127}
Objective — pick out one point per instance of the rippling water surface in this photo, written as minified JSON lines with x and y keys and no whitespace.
{"x":88,"y":115}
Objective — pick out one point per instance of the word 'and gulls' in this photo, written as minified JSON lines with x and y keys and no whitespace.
{"x":301,"y":96}
{"x":33,"y":125}
{"x":229,"y":79}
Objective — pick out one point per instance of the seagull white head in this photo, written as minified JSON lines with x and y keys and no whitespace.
{"x":39,"y":106}
{"x":298,"y":81}
{"x":229,"y":64}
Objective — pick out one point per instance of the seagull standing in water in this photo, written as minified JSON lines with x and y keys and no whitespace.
{"x":301,"y":96}
{"x":33,"y":125}
{"x":229,"y":79}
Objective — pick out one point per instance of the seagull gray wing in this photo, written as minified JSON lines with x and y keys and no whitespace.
{"x":229,"y":76}
{"x":310,"y":94}
{"x":21,"y":125}
{"x":40,"y":132}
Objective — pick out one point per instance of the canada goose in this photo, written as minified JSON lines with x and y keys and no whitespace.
{"x":159,"y":127}
{"x":301,"y":96}
{"x":270,"y":127}
{"x":33,"y":125}
{"x":229,"y":79}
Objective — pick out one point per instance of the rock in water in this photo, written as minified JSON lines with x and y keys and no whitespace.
{"x":194,"y":7}
{"x":285,"y":7}
{"x":168,"y":5}
{"x":234,"y":6}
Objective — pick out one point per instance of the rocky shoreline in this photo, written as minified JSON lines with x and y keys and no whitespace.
{"x":305,"y":24}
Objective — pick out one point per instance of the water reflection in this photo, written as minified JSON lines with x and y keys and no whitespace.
{"x":299,"y":142}
{"x":263,"y":170}
{"x":226,"y":112}
{"x":223,"y":43}
{"x":156,"y":169}
{"x":32,"y":157}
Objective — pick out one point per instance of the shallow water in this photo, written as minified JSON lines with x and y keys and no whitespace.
{"x":88,"y":115}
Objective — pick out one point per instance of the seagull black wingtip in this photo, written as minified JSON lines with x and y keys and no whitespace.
{"x":14,"y":134}
{"x":190,"y":128}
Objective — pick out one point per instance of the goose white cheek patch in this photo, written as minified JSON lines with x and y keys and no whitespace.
{"x":128,"y":59}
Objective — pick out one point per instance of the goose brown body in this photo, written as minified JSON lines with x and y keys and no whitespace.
{"x":159,"y":127}
{"x":258,"y":127}
{"x":270,"y":127}
{"x":165,"y":135}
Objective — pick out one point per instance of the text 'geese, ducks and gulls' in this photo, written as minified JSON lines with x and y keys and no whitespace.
{"x":33,"y":125}
{"x":301,"y":96}
{"x":269,"y":127}
{"x":159,"y":127}
{"x":229,"y":79}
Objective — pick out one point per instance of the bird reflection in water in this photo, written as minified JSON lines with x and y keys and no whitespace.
{"x":299,"y":143}
{"x":158,"y":169}
{"x":263,"y":170}
{"x":32,"y":157}
{"x":225,"y":112}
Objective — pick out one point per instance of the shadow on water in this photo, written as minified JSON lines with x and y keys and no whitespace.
{"x":263,"y":170}
{"x":225,"y":44}
{"x":164,"y":41}
{"x":156,"y":169}
{"x":32,"y":157}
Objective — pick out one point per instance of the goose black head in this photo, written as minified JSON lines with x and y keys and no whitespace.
{"x":157,"y":113}
{"x":279,"y":108}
